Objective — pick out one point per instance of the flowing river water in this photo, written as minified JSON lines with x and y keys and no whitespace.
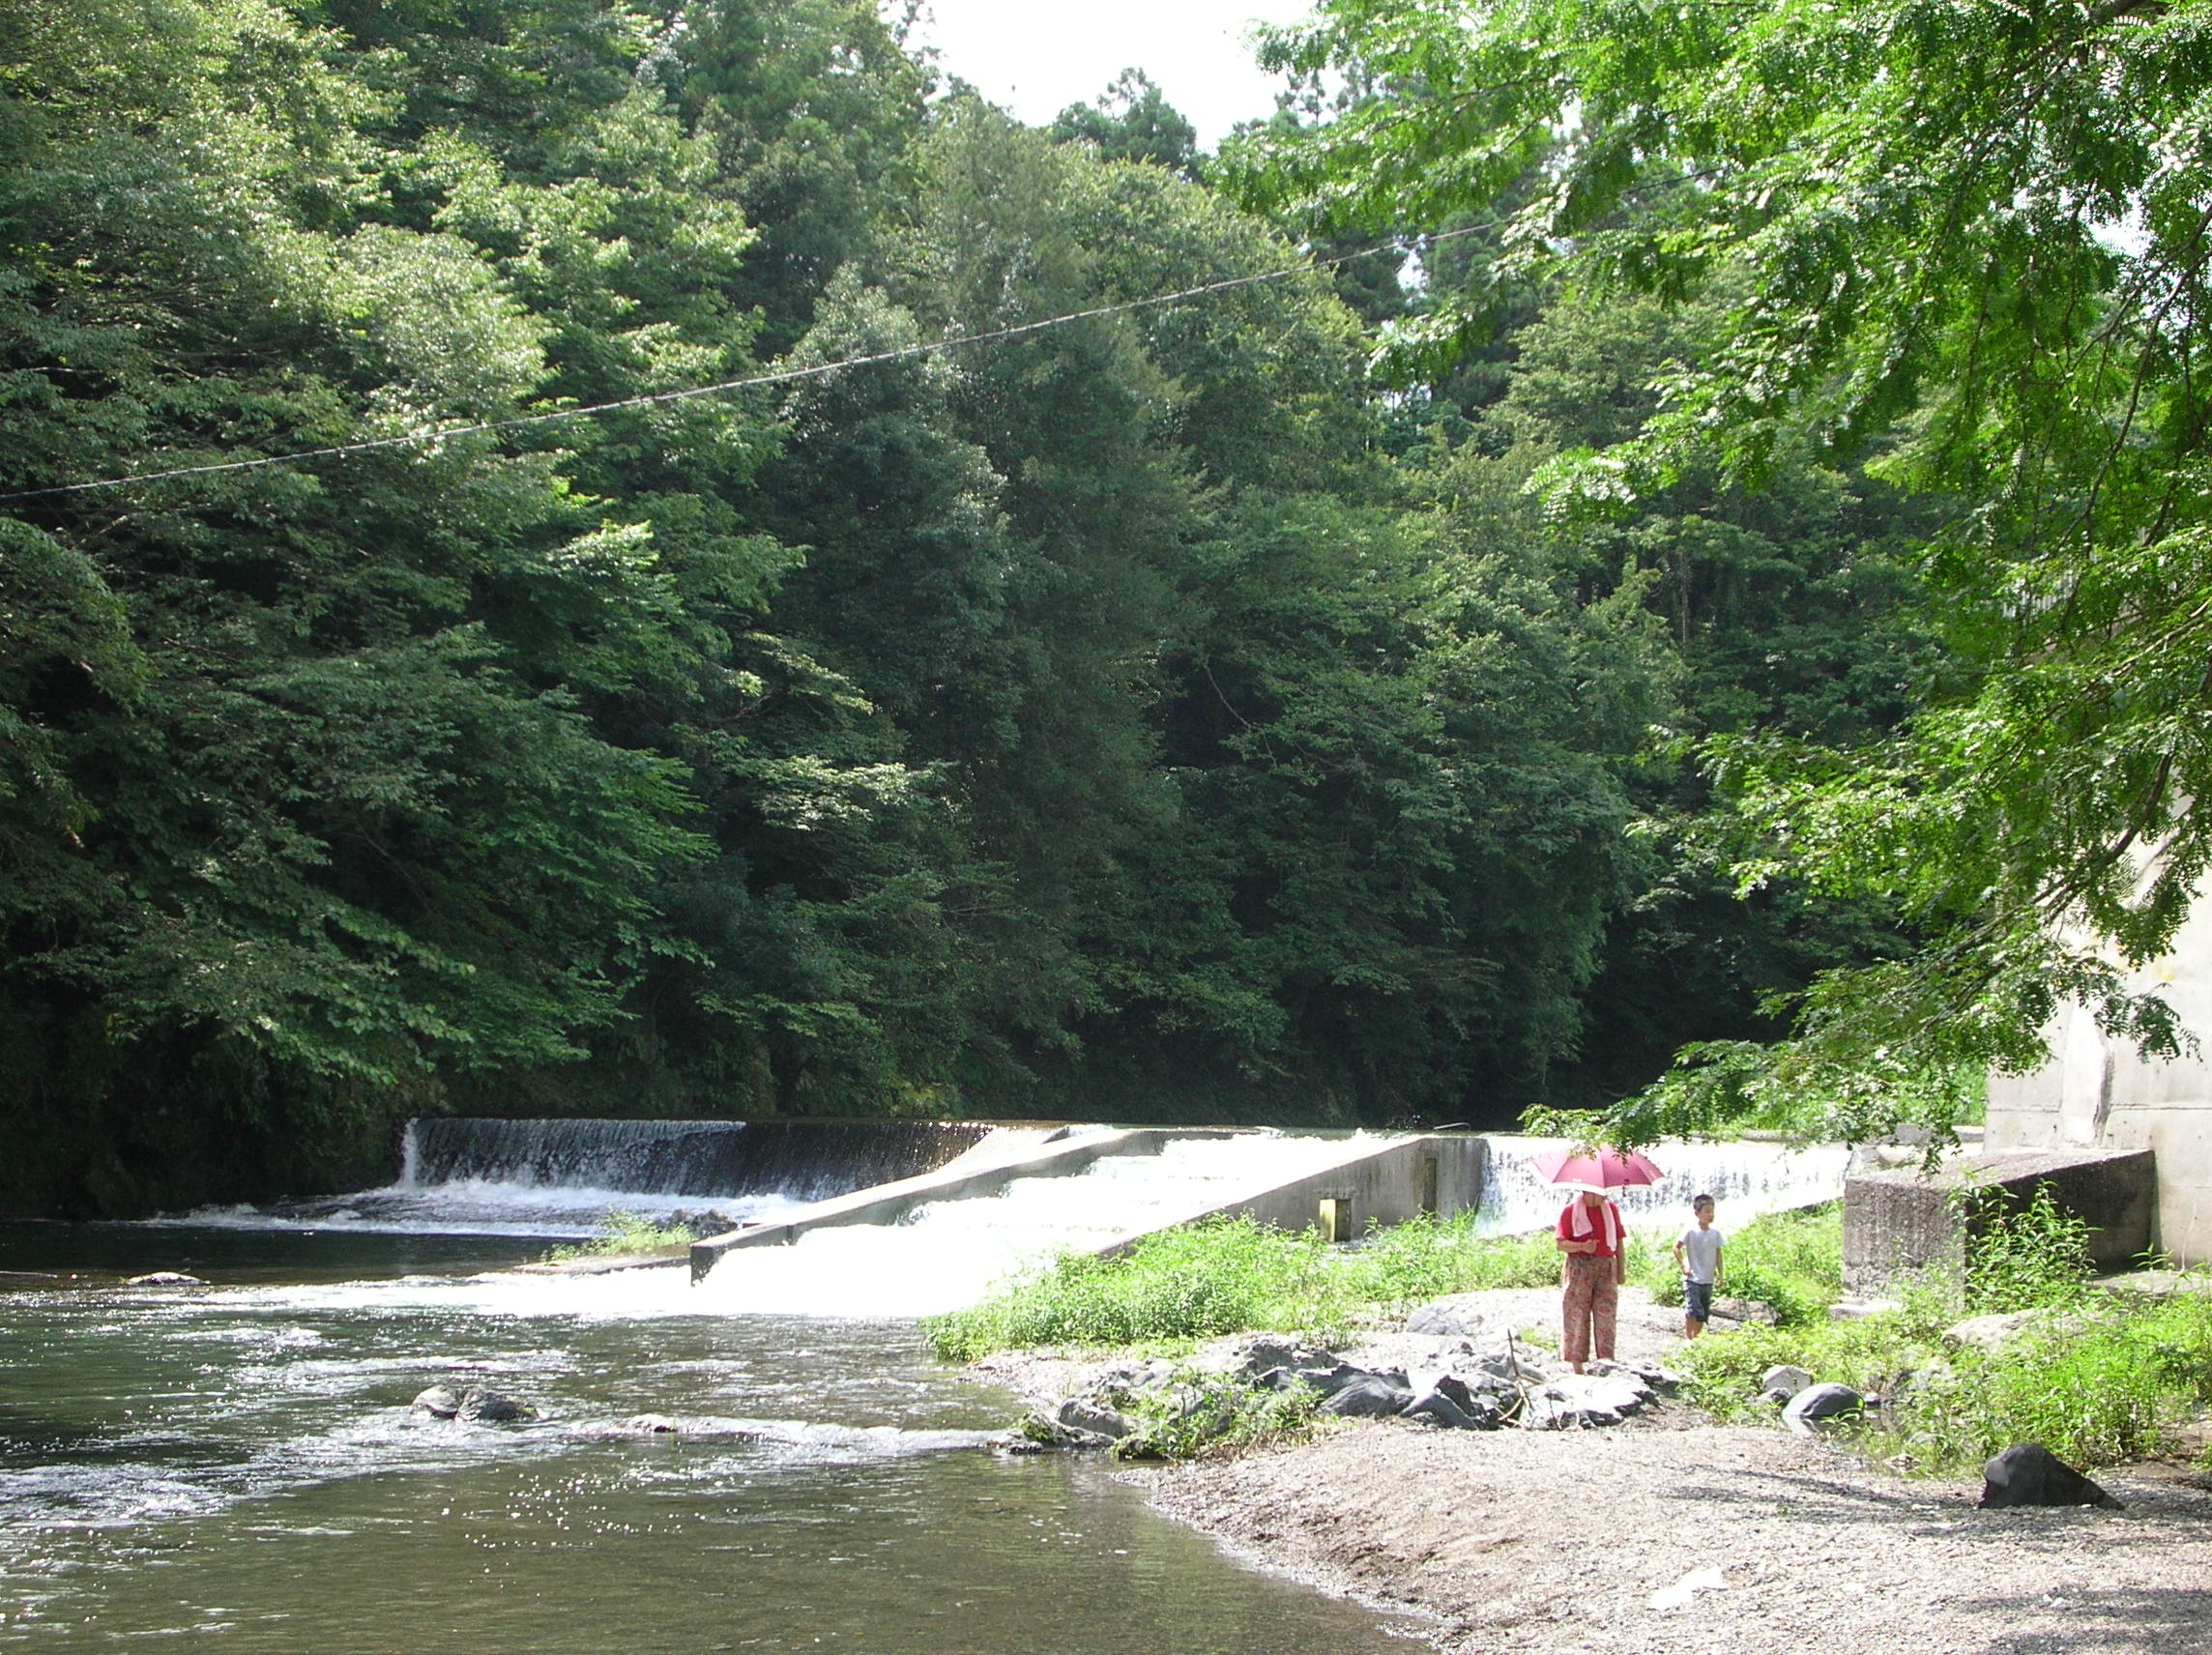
{"x":237,"y":1462}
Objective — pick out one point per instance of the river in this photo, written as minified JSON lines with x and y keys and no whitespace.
{"x":237,"y":1463}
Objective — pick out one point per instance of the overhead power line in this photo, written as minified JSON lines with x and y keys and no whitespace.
{"x":722,"y":388}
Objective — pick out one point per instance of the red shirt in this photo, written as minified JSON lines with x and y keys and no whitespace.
{"x":1595,"y":1228}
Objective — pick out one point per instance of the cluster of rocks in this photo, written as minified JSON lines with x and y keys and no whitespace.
{"x":1457,"y":1380}
{"x":475,"y":1406}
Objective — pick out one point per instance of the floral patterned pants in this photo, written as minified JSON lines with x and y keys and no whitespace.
{"x":1588,"y":1300}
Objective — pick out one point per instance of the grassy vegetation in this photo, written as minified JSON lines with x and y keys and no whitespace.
{"x":1214,"y":1413}
{"x":622,"y":1234}
{"x":1231,"y":1275}
{"x":2100,"y":1377}
{"x":2096,"y":1377}
{"x":1791,"y":1260}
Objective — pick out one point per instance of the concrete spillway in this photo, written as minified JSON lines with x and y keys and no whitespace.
{"x":941,"y":1239}
{"x":906,"y":1218}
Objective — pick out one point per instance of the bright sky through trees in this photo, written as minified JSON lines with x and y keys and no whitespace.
{"x":1035,"y":60}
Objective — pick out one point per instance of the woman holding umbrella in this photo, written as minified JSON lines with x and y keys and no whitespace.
{"x":1594,"y":1240}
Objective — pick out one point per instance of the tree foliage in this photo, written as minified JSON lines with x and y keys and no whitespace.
{"x":1962,"y":242}
{"x":1139,"y":715}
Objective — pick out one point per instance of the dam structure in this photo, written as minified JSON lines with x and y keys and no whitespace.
{"x":889,"y":1218}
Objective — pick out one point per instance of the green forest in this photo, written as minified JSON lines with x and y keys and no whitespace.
{"x":1672,"y":547}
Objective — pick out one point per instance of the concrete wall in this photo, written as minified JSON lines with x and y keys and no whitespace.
{"x":2098,"y":1090}
{"x":1387,"y":1185}
{"x":1902,"y":1219}
{"x":1372,"y":1185}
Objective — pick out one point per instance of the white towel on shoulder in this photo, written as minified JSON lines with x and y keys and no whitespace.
{"x":1578,"y":1224}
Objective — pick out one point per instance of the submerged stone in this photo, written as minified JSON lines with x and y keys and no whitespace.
{"x":1821,"y":1405}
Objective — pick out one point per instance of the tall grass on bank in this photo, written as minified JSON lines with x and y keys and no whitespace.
{"x":1231,"y":1275}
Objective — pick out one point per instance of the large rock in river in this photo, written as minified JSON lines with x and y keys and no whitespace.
{"x":439,"y":1402}
{"x":492,"y":1408}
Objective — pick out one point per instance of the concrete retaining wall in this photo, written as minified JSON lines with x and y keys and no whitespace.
{"x":1903,"y":1220}
{"x":1377,"y":1186}
{"x":2100,"y":1091}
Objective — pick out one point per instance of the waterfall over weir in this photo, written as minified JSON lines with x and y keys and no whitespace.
{"x":801,"y":1160}
{"x":559,"y":1178}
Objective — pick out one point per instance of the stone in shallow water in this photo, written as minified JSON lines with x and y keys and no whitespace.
{"x":1820,"y":1405}
{"x":165,"y":1279}
{"x":493,"y":1408}
{"x":439,"y":1402}
{"x":1079,"y":1414}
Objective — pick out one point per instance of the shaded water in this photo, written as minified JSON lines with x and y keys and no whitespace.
{"x":237,"y":1463}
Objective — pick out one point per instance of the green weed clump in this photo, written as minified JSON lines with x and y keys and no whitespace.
{"x":1213,"y":1413}
{"x":1189,"y":1283}
{"x":2098,"y":1378}
{"x":622,"y":1234}
{"x":2020,"y":1257}
{"x":1231,"y":1275}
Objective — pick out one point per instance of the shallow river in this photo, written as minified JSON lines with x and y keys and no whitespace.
{"x":238,"y":1464}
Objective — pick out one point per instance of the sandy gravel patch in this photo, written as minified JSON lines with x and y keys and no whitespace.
{"x":1554,"y":1542}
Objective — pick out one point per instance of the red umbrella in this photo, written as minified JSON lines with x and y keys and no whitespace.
{"x":1606,"y":1169}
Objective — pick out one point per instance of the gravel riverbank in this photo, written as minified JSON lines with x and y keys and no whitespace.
{"x":1547,"y":1543}
{"x":1557,"y":1543}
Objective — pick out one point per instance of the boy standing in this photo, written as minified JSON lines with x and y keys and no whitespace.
{"x":1697,"y":1255}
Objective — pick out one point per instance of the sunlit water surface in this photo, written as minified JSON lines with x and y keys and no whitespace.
{"x":238,"y":1464}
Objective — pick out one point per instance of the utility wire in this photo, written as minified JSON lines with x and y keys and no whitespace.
{"x":778,"y":376}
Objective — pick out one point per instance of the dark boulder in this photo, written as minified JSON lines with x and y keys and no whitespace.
{"x":1819,"y":1404}
{"x":2027,"y":1473}
{"x":491,"y":1407}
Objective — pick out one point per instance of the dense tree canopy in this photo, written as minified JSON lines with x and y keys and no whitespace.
{"x":1153,"y":714}
{"x":1961,"y":243}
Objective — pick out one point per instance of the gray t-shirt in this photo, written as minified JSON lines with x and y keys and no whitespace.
{"x":1702,"y":1254}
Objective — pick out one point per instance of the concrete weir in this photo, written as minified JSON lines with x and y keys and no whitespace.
{"x":1345,"y":1183}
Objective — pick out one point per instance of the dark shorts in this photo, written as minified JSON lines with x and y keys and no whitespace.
{"x":1696,"y":1300}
